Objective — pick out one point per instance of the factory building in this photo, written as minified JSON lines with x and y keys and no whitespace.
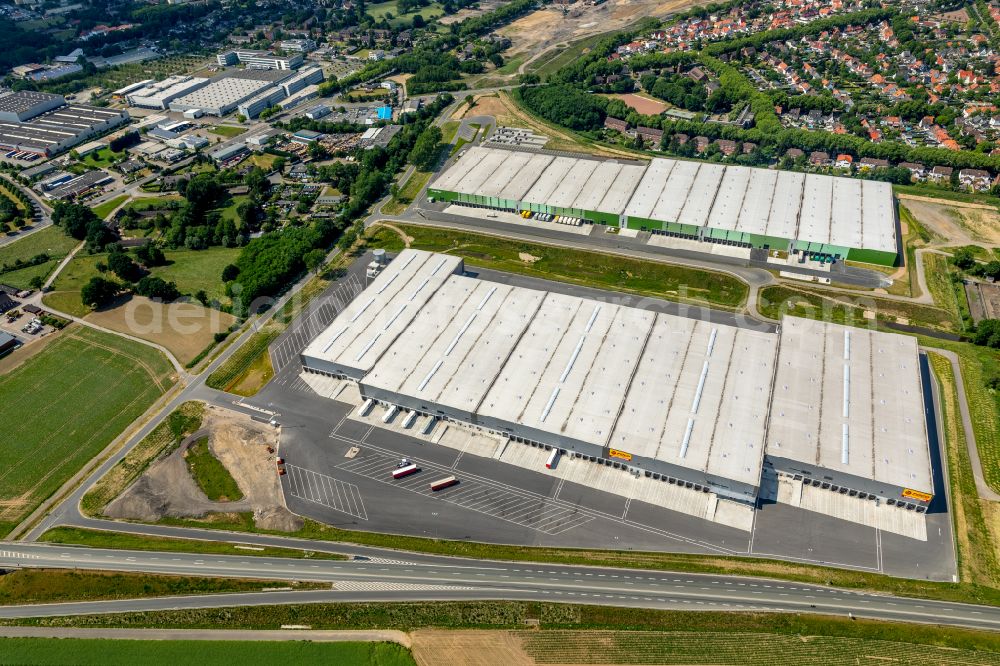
{"x":159,"y":94}
{"x":712,"y":203}
{"x":44,"y":124}
{"x":702,"y":405}
{"x":227,"y":91}
{"x":259,"y":59}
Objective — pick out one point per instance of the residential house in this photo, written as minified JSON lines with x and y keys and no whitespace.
{"x":701,"y":143}
{"x":940,"y":174}
{"x":844,"y":161}
{"x":655,"y":136}
{"x":726,"y":146}
{"x":917,"y":170}
{"x":615,"y":124}
{"x":976,"y":179}
{"x":819,"y":158}
{"x":873,"y":163}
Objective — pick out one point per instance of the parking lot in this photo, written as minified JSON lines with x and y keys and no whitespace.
{"x":340,"y":474}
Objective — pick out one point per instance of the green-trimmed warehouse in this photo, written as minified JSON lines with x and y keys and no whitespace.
{"x":733,"y":205}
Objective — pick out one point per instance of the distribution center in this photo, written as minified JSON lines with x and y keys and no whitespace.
{"x":690,"y":402}
{"x":732,"y":205}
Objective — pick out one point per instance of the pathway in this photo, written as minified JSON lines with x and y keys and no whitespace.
{"x":319,"y":636}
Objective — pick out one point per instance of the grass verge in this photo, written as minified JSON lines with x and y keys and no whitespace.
{"x":210,"y":474}
{"x":75,"y":536}
{"x":591,"y":269}
{"x":514,"y":615}
{"x":849,"y":308}
{"x":182,"y":422}
{"x":39,"y":586}
{"x":247,"y":370}
{"x":977,"y":555}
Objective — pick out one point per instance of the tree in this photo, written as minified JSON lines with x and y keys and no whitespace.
{"x":426,"y":148}
{"x":122,"y":265}
{"x":36,"y":282}
{"x":964,"y":258}
{"x":158,"y":288}
{"x":257,"y":181}
{"x":470,"y":100}
{"x":150,"y":255}
{"x":98,"y":292}
{"x":73,"y":218}
{"x":230,"y":272}
{"x":988,"y":333}
{"x":99,"y":236}
{"x":314,"y":259}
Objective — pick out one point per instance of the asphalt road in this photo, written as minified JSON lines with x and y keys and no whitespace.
{"x":393,"y":578}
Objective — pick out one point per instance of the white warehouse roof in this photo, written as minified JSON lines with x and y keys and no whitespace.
{"x":693,"y":394}
{"x":850,"y":399}
{"x":815,"y":208}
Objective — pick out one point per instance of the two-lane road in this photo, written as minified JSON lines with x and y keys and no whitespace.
{"x":396,"y":578}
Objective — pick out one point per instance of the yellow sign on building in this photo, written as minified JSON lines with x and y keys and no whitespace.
{"x":615,"y":453}
{"x":917,"y":495}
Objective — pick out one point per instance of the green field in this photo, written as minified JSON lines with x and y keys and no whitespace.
{"x":22,"y":277}
{"x":604,"y":271}
{"x":192,"y":270}
{"x":379,"y":10}
{"x":43,"y":651}
{"x":198,"y":269}
{"x":102,"y":158}
{"x":50,"y":240}
{"x":227,"y":131}
{"x":103,"y":210}
{"x":210,"y":474}
{"x":65,"y":405}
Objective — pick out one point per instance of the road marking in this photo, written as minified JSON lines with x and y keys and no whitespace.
{"x":325,"y":490}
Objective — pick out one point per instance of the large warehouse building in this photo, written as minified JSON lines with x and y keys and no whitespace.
{"x":224,"y":92}
{"x":693,"y":403}
{"x":733,"y":205}
{"x":45,"y":124}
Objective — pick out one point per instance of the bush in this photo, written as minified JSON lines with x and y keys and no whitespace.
{"x":154,"y":287}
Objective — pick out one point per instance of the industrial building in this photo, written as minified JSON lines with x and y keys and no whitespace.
{"x":688,"y":402}
{"x":259,"y":59}
{"x":44,"y":124}
{"x":227,"y":91}
{"x":159,"y":94}
{"x":714,"y":203}
{"x":271,"y":96}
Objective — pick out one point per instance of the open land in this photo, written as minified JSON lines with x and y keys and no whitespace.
{"x":642,"y":103}
{"x":546,"y":29}
{"x":184,"y":328}
{"x":65,"y":405}
{"x":101,"y":652}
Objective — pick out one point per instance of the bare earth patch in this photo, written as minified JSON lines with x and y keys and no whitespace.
{"x":644,"y":105}
{"x":527,"y":258}
{"x":471,"y":648}
{"x":959,"y":224}
{"x":166,"y":489}
{"x":185,"y":329}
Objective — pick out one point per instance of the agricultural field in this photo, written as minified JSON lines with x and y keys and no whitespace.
{"x":48,"y":437}
{"x":611,"y":647}
{"x":84,"y":652}
{"x":574,"y":266}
